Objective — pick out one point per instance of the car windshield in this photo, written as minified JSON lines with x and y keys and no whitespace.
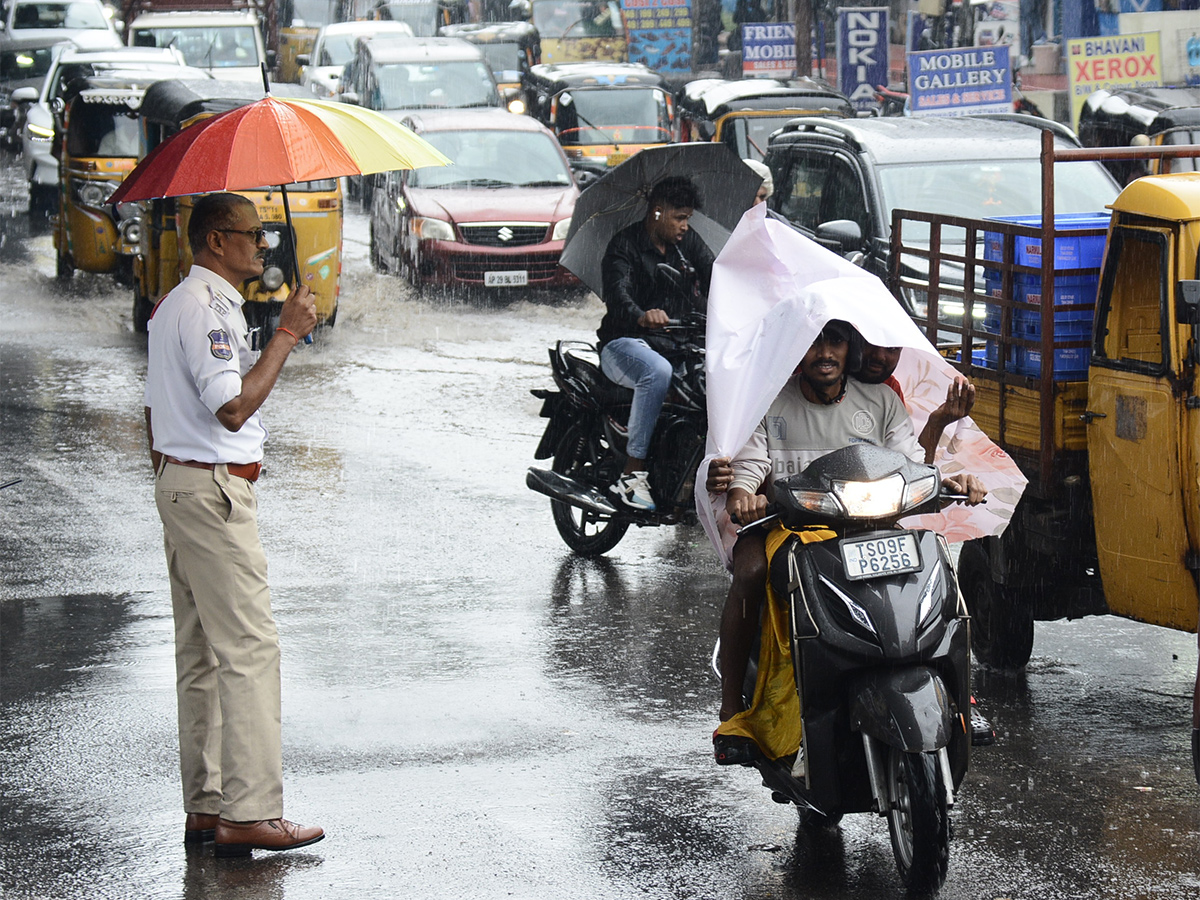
{"x":982,"y":189}
{"x":503,"y":57}
{"x":493,"y":159}
{"x":98,"y":130}
{"x":205,"y":47}
{"x":577,"y":18}
{"x":16,"y":65}
{"x":613,"y":116}
{"x":747,"y":135}
{"x":59,"y":15}
{"x":432,"y":85}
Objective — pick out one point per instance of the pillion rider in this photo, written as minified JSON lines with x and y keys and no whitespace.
{"x":819,"y":410}
{"x":640,"y":303}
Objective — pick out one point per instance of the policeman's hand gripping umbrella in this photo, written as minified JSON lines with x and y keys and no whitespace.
{"x":727,"y":188}
{"x":276,"y":141}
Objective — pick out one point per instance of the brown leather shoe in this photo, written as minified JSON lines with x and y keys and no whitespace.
{"x":199,"y":828}
{"x":239,"y":838}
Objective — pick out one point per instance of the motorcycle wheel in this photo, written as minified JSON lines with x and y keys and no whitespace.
{"x":1001,"y":624}
{"x":581,"y":457}
{"x":918,"y":820}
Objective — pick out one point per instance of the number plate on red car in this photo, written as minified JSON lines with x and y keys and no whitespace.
{"x":506,"y":279}
{"x":878,"y":557}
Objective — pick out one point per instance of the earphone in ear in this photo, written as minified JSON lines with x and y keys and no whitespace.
{"x":657,"y":214}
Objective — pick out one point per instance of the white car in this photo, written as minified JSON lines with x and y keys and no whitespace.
{"x":81,"y":21}
{"x":37,"y":137}
{"x":334,"y":48}
{"x":228,"y":44}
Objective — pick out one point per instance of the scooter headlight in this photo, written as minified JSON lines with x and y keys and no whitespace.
{"x":272,"y":278}
{"x":871,"y":499}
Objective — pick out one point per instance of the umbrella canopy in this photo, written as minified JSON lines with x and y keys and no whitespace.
{"x":727,"y":188}
{"x":276,"y":141}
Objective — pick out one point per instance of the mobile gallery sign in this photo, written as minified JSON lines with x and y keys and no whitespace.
{"x":1102,"y":63}
{"x":960,"y":82}
{"x":768,"y":49}
{"x":862,"y":52}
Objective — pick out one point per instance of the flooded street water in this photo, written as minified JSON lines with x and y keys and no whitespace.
{"x":468,"y":709}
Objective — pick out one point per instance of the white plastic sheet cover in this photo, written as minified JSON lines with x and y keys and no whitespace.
{"x":772,"y":292}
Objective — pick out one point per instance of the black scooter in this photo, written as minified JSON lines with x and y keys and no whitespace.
{"x":881,"y":655}
{"x":587,"y":435}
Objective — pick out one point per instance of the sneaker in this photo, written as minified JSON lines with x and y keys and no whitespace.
{"x":634,"y":490}
{"x":734,"y":750}
{"x":800,"y":766}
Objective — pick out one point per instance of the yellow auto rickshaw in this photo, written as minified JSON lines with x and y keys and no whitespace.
{"x":97,"y":146}
{"x":164,"y":256}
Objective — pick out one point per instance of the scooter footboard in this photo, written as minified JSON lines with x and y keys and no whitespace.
{"x":907,"y":708}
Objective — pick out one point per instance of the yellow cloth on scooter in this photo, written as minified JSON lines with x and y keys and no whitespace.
{"x":773,"y":719}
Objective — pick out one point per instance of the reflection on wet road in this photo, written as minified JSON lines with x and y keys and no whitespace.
{"x":468,"y":709}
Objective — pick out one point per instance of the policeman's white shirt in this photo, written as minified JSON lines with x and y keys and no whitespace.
{"x":199,"y":351}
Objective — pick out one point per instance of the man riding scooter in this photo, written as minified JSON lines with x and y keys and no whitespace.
{"x":639,"y":303}
{"x":821,"y":409}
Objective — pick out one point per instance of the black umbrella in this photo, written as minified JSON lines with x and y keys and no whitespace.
{"x":727,"y":188}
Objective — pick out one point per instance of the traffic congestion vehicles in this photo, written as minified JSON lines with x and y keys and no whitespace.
{"x":879,"y":655}
{"x":580,"y":30}
{"x":229,"y":45}
{"x":82,"y":21}
{"x":1154,"y":117}
{"x":1085,"y":369}
{"x":164,"y":256}
{"x":587,"y":433}
{"x":495,"y":220}
{"x":396,"y":75}
{"x":23,"y":64}
{"x":602,"y":113}
{"x":743,"y":114}
{"x":321,"y":67}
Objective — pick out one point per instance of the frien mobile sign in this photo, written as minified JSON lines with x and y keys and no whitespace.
{"x":862,"y":53}
{"x":960,"y":82}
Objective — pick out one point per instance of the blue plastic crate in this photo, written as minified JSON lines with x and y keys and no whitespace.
{"x":1069,"y":252}
{"x":1069,"y":363}
{"x":1069,"y":324}
{"x":1068,"y":289}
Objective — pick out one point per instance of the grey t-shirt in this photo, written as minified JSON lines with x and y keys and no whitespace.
{"x":796,"y":431}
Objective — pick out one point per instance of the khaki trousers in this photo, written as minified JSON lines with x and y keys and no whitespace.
{"x":226,"y":645}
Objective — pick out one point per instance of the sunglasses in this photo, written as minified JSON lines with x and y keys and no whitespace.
{"x":256,"y":234}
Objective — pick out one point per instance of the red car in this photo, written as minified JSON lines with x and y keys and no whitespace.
{"x":495,"y":220}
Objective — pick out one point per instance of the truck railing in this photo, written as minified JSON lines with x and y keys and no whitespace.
{"x":990,"y":282}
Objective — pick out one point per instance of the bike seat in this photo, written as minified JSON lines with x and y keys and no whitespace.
{"x":605,"y":392}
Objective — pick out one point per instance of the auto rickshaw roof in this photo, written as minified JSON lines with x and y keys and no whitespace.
{"x":1175,"y":198}
{"x":521,"y":33}
{"x":175,"y":101}
{"x":1150,"y":110}
{"x":122,"y":84}
{"x":715,"y":97}
{"x":563,"y":76}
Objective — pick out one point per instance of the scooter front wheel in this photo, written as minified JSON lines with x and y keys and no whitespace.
{"x":918,"y":820}
{"x":581,"y":456}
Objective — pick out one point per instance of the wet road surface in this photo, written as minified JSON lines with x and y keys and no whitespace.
{"x":470,"y":711}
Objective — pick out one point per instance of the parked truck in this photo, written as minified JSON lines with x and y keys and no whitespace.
{"x":1085,"y":367}
{"x":271,"y":16}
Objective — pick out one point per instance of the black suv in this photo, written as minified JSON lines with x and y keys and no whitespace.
{"x":838,"y":181}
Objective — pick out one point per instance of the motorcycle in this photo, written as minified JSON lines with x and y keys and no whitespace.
{"x":587,"y":435}
{"x":880,"y":654}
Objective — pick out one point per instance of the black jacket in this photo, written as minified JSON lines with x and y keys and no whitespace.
{"x":630,"y":287}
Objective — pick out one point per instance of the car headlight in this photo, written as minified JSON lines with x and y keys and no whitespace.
{"x":38,"y":133}
{"x":517,"y":107}
{"x":432,"y":229}
{"x":94,"y":193}
{"x":561,"y":228}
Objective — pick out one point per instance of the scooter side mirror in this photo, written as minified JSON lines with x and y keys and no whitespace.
{"x":668,"y":276}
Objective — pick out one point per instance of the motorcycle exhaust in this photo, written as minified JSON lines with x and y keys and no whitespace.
{"x":560,"y":487}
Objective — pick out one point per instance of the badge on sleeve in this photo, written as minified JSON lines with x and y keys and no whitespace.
{"x":219,"y":343}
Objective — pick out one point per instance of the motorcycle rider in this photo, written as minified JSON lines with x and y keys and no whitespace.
{"x":639,"y":303}
{"x":819,"y":410}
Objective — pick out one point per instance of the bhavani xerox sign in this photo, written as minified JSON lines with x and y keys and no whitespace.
{"x":960,"y":82}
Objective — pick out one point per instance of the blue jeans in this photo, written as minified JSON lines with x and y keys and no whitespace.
{"x":631,"y":363}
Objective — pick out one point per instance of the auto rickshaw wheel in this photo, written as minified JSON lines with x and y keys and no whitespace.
{"x":1001,"y":617}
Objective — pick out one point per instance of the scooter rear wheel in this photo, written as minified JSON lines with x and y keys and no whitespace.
{"x":581,"y":456}
{"x":918,"y":820}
